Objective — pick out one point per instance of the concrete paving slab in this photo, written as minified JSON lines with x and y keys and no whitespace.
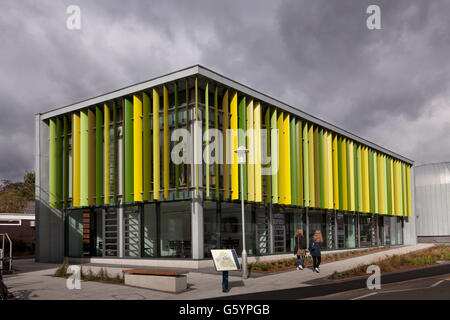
{"x":40,"y":284}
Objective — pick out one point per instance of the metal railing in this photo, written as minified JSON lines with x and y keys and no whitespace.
{"x":3,"y":259}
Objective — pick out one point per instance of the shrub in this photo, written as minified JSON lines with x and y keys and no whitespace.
{"x":62,"y":269}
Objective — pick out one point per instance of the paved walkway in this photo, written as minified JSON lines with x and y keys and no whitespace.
{"x":40,"y":284}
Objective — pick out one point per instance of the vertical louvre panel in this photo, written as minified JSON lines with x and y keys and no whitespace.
{"x":147,"y":147}
{"x":234,"y":146}
{"x":316,"y":167}
{"x":52,"y":164}
{"x":375,"y":182}
{"x":335,"y":173}
{"x":366,"y":182}
{"x":177,"y":166}
{"x":312,"y":188}
{"x":106,"y":182}
{"x":360,"y":178}
{"x":242,"y":119}
{"x":115,"y":156}
{"x":84,"y":184}
{"x":58,"y":162}
{"x":320,"y":156}
{"x":274,"y":154}
{"x":392,"y":175}
{"x":385,"y":185}
{"x":371,"y":183}
{"x":293,"y":158}
{"x":344,"y":175}
{"x":91,"y":158}
{"x":76,"y":164}
{"x":408,"y":188}
{"x":156,"y":147}
{"x":380,"y":184}
{"x":340,"y":173}
{"x":284,"y":179}
{"x":268,"y":152}
{"x":330,"y":170}
{"x":216,"y":141}
{"x":207,"y":147}
{"x":196,"y":161}
{"x":351,"y":176}
{"x":355,"y":173}
{"x":226,"y":147}
{"x":305,"y":149}
{"x":66,"y":163}
{"x":98,"y":156}
{"x":166,"y":141}
{"x":257,"y":140}
{"x":299,"y":162}
{"x":137,"y":148}
{"x":128,"y":147}
{"x":251,"y":153}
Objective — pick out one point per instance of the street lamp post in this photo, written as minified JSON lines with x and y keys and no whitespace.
{"x":241,"y":151}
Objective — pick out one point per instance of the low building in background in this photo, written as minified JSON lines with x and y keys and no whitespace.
{"x":432,"y":184}
{"x":19,"y":225}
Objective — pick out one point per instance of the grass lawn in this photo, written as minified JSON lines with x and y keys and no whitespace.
{"x":411,"y":260}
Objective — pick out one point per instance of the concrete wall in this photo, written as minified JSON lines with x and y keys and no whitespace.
{"x":49,"y":222}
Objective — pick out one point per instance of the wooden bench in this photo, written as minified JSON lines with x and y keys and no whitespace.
{"x":163,"y":280}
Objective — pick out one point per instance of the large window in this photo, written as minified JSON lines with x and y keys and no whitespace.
{"x":350,"y":223}
{"x":175,"y":229}
{"x":340,"y":223}
{"x":318,"y":221}
{"x":150,"y":231}
{"x":365,"y":236}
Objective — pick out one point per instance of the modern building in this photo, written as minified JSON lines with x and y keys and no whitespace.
{"x":432,"y":189}
{"x":109,"y":185}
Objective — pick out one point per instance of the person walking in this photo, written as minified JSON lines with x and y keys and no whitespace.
{"x":314,"y":249}
{"x":300,"y":249}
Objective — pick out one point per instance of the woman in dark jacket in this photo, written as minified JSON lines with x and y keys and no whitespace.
{"x":314,"y":249}
{"x":300,"y":249}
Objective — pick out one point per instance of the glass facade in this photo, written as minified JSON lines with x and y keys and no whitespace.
{"x":163,"y":229}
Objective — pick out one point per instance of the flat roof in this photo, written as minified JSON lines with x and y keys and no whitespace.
{"x":208,"y":73}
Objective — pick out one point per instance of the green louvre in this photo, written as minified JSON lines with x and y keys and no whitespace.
{"x":242,"y":125}
{"x":115,"y":156}
{"x":360,"y":187}
{"x":98,"y":156}
{"x":341,"y":193}
{"x":388,"y":184}
{"x":66,"y":163}
{"x":299,"y":162}
{"x":293,"y":153}
{"x":128,"y":141}
{"x":305,"y":165}
{"x":375,"y":182}
{"x":321,"y":171}
{"x":147,"y":147}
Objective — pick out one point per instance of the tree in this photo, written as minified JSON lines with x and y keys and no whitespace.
{"x":15,"y":195}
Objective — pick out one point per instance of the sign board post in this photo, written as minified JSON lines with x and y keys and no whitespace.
{"x":225,"y":260}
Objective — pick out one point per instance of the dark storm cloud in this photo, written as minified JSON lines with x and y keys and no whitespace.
{"x":390,"y":86}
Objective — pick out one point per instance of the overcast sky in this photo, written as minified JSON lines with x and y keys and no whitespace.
{"x":390,"y":86}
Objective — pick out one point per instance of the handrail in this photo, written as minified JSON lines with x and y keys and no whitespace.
{"x":10,"y":249}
